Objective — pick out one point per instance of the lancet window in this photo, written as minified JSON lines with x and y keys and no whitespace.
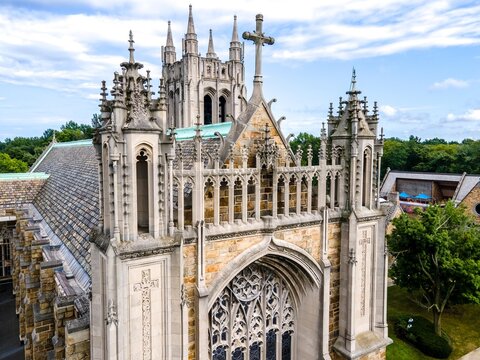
{"x":253,"y":318}
{"x":207,"y":110}
{"x":142,"y":191}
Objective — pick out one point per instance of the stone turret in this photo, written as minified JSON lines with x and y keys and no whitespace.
{"x":169,"y":55}
{"x":235,"y":45}
{"x":191,"y":42}
{"x":128,"y":146}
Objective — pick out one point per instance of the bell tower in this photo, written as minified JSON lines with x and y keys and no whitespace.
{"x":203,"y":86}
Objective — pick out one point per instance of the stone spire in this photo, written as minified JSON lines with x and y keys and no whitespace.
{"x":191,"y":42}
{"x":211,"y":50}
{"x":169,"y":55}
{"x":235,"y":45}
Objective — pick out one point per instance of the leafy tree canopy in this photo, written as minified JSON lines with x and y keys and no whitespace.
{"x":9,"y":165}
{"x":437,"y":257}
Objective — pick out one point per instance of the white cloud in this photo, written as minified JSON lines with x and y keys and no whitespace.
{"x":388,"y":110}
{"x":469,"y":115}
{"x":450,"y":83}
{"x":65,"y":52}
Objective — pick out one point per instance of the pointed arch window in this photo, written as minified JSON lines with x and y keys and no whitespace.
{"x":222,"y":109}
{"x":367,"y":178}
{"x":143,"y":222}
{"x":207,"y":110}
{"x":253,"y":318}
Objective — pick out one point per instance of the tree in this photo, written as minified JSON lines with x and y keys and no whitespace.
{"x":302,"y":141}
{"x":437,"y":257}
{"x":9,"y":165}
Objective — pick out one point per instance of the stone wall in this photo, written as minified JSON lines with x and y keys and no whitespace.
{"x":472,"y":200}
{"x":48,"y":319}
{"x":221,"y":252}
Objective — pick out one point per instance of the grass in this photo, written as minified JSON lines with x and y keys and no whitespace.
{"x":460,"y":322}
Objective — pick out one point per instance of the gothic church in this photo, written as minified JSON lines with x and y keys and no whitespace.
{"x":190,"y":229}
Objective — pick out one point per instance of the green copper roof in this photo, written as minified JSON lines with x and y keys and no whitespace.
{"x":23,"y":176}
{"x":74,"y":143}
{"x":208,"y":131}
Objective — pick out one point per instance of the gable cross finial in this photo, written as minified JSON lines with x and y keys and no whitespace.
{"x":259,"y":38}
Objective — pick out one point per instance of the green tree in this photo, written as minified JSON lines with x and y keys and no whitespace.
{"x":437,"y":257}
{"x":303,"y":140}
{"x":9,"y":165}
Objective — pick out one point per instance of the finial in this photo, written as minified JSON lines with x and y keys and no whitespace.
{"x":190,"y":26}
{"x":131,"y":49}
{"x":382,"y":135}
{"x":103,"y":92}
{"x":54,"y":138}
{"x":340,"y":105}
{"x":354,"y":79}
{"x":330,"y":110}
{"x":235,"y":31}
{"x":149,"y":86}
{"x":365,"y":103}
{"x":323,"y":132}
{"x":375,"y":109}
{"x":169,"y":35}
{"x":353,"y":85}
{"x":211,"y":50}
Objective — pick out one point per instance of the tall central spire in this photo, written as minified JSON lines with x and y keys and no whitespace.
{"x":191,"y":43}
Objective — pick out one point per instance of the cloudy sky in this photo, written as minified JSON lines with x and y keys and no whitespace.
{"x":419,"y":59}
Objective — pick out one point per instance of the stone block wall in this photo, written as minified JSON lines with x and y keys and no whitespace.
{"x":220,"y":252}
{"x":50,"y":325}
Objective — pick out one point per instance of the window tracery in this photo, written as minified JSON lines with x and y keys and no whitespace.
{"x":253,"y":318}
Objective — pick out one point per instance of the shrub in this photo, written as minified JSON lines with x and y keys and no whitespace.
{"x":420,"y":333}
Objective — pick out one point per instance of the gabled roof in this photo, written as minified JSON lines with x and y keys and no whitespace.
{"x":465,"y":182}
{"x":68,"y":202}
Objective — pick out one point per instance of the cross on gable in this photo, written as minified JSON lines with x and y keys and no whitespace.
{"x":259,"y":38}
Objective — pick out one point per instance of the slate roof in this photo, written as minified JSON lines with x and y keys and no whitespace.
{"x":69,"y":200}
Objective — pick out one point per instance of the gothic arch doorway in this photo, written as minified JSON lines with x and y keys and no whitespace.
{"x":269,"y":310}
{"x":207,"y":110}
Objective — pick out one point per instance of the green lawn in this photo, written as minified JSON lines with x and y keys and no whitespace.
{"x":461,"y":323}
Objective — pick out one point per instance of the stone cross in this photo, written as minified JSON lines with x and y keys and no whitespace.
{"x":363,"y":242}
{"x":259,"y":38}
{"x":144,"y":286}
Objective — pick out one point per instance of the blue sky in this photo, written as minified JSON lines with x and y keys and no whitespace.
{"x":419,"y":59}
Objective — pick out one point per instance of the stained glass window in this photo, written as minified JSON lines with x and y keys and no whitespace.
{"x":249,"y":315}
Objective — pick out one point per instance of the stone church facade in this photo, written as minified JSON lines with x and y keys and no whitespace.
{"x":209,"y":242}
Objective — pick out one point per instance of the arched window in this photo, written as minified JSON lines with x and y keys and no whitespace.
{"x":207,"y":110}
{"x":253,"y":315}
{"x":222,"y":109}
{"x":367,"y":178}
{"x":142,"y":191}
